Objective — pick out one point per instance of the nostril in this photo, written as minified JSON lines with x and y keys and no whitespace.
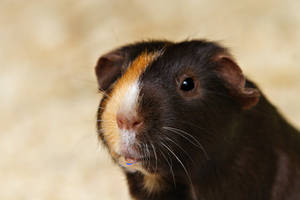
{"x":128,"y":122}
{"x":137,"y":124}
{"x":120,"y":122}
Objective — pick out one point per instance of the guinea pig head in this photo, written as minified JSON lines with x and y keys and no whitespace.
{"x":165,"y":105}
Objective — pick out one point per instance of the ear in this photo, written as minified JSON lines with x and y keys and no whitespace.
{"x":235,"y":81}
{"x":108,"y":68}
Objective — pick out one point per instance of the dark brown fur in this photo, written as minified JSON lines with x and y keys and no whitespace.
{"x":247,"y":150}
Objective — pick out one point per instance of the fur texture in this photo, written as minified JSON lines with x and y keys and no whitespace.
{"x":220,"y":140}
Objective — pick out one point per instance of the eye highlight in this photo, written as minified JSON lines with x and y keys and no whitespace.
{"x":187,"y":84}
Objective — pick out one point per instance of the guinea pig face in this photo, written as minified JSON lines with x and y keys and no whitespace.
{"x":163,"y":101}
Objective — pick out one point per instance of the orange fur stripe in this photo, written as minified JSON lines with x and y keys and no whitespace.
{"x":153,"y":183}
{"x":136,"y":68}
{"x":113,"y":104}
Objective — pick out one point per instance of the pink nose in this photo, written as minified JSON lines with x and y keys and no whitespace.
{"x":129,"y":123}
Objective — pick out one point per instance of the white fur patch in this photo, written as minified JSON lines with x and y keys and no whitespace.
{"x":128,"y":108}
{"x":128,"y":137}
{"x":129,"y":103}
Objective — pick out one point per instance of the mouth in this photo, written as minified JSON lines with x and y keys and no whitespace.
{"x":132,"y":158}
{"x":130,"y":154}
{"x":128,"y":161}
{"x":131,"y":161}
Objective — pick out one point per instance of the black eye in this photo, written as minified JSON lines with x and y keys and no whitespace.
{"x":187,"y":84}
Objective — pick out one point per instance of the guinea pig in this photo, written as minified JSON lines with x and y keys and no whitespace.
{"x":183,"y":122}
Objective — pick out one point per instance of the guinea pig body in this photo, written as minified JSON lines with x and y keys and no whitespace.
{"x":183,"y":122}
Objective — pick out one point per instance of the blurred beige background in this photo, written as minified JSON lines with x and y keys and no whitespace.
{"x":48,"y":92}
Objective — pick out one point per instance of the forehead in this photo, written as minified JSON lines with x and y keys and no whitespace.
{"x":154,"y":61}
{"x":176,"y":59}
{"x":182,"y":52}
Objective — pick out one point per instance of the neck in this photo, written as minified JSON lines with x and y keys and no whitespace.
{"x":259,"y":152}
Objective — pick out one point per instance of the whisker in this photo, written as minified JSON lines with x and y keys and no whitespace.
{"x":145,"y":156}
{"x":150,"y":143}
{"x":167,"y":138}
{"x":100,"y":120}
{"x":148,"y":156}
{"x":99,"y":107}
{"x":178,"y":131}
{"x":154,"y":155}
{"x":102,"y":130}
{"x":142,"y":150}
{"x":198,"y":127}
{"x":171,"y":168}
{"x":112,"y":100}
{"x":104,"y":93}
{"x":184,"y":168}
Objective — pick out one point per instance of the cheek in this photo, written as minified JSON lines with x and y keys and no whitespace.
{"x":110,"y":129}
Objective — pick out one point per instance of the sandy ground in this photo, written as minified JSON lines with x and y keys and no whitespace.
{"x":48,"y":92}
